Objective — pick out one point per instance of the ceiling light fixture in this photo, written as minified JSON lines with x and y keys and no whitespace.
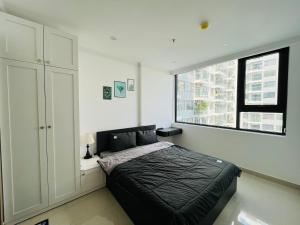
{"x":204,"y":25}
{"x":113,"y":38}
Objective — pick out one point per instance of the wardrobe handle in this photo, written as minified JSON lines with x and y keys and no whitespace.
{"x":47,"y":62}
{"x":39,"y":60}
{"x":42,"y":127}
{"x":49,"y":126}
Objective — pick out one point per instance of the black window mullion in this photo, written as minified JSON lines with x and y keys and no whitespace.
{"x":240,"y":90}
{"x":283,"y":83}
{"x":281,"y":91}
{"x":175,"y":83}
{"x":261,"y":108}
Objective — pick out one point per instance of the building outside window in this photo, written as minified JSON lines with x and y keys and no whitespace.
{"x":214,"y":97}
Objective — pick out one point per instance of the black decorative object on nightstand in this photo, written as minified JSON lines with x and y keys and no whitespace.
{"x":88,"y":154}
{"x":167,"y":132}
{"x":87,"y":139}
{"x":44,"y":222}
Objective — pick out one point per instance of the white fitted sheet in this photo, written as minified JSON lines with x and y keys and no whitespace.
{"x":109,"y":160}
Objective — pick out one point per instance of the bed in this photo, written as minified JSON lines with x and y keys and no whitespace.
{"x":165,"y":184}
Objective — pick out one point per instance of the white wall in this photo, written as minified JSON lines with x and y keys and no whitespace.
{"x":153,"y":106}
{"x":157,"y":88}
{"x":96,"y":114}
{"x":2,"y":7}
{"x":157,"y":98}
{"x":276,"y":156}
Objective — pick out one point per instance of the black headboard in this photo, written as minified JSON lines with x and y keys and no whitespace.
{"x":103,"y":136}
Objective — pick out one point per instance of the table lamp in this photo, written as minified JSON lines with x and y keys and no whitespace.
{"x":87,"y":139}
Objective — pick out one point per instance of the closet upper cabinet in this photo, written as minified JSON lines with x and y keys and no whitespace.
{"x":20,"y":39}
{"x":60,"y":49}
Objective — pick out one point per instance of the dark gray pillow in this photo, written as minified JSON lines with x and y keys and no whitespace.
{"x":146,"y":137}
{"x":121,"y":141}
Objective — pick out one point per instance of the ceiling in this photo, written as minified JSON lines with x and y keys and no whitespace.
{"x":144,"y":28}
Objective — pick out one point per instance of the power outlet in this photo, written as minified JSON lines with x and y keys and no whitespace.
{"x":44,"y":222}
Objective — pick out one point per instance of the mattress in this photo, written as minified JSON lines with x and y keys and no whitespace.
{"x":175,"y":185}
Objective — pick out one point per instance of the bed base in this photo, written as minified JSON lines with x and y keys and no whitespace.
{"x":142,"y":214}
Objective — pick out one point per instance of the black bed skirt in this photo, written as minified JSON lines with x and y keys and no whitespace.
{"x":141,"y":214}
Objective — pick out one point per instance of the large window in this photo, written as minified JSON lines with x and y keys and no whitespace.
{"x":212,"y":93}
{"x":246,"y":94}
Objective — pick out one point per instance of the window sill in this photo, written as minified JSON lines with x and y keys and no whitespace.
{"x":234,"y":129}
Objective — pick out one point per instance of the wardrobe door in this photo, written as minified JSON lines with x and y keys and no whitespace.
{"x":60,"y":49}
{"x":23,"y":138}
{"x":20,"y":39}
{"x":62,"y":133}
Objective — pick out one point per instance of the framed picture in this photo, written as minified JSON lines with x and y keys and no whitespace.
{"x":120,"y":89}
{"x":107,"y":93}
{"x":130,"y":85}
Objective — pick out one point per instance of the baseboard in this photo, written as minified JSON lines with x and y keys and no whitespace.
{"x":283,"y":182}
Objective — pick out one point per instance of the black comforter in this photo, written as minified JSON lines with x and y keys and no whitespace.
{"x":173,"y":186}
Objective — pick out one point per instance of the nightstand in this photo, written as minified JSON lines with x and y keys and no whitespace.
{"x":92,"y":176}
{"x":167,"y":132}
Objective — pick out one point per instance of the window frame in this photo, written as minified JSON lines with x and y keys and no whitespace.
{"x":282,"y":93}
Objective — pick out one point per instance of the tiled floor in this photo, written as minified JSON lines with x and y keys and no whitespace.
{"x":257,"y":202}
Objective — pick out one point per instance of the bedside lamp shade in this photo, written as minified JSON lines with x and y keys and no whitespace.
{"x":87,"y":139}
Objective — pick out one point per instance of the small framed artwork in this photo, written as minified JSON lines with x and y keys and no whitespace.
{"x":120,"y":89}
{"x":130,"y":85}
{"x":107,"y":93}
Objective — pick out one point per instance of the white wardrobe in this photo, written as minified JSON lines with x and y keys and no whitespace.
{"x":39,"y":121}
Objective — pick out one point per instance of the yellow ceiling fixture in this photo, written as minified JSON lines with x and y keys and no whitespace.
{"x":204,"y":25}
